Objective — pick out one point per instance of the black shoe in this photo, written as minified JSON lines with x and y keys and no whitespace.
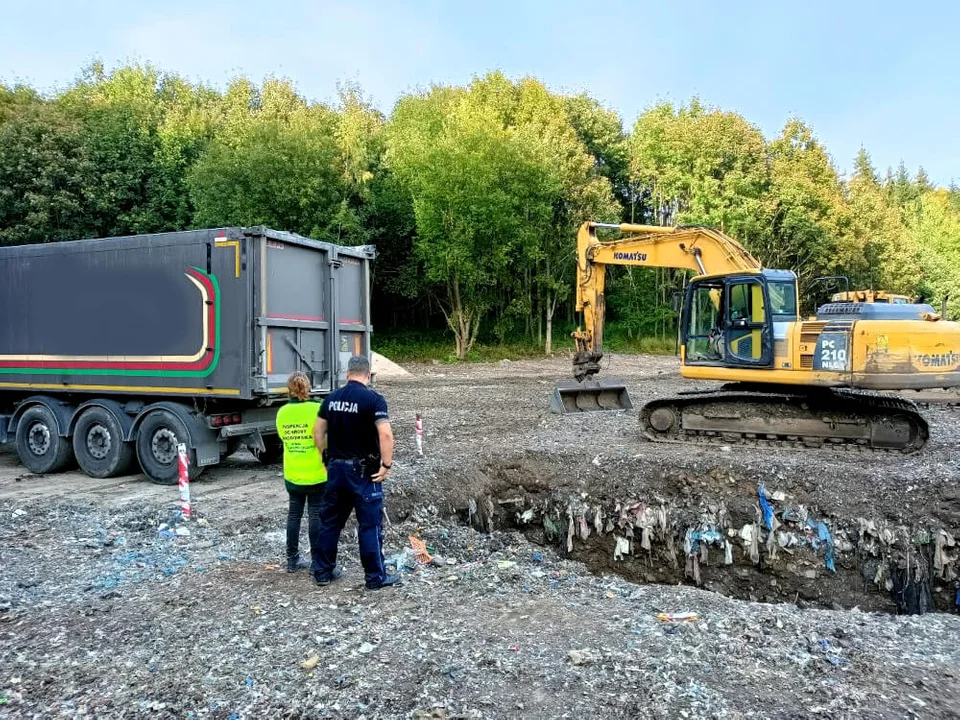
{"x":295,"y":563}
{"x":387,"y":581}
{"x":335,"y":575}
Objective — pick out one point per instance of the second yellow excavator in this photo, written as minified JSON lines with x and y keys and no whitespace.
{"x":802,"y":382}
{"x":872,"y":296}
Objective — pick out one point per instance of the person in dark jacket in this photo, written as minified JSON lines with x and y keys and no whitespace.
{"x":304,"y":475}
{"x":354,"y":432}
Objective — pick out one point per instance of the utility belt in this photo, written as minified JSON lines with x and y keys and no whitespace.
{"x":366,"y":466}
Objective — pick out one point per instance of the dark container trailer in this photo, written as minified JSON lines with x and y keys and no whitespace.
{"x":114,"y":350}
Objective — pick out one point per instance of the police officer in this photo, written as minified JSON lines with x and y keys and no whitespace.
{"x":303,"y":472}
{"x":354,"y":431}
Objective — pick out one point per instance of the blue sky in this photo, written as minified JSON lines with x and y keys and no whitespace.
{"x":879,"y":74}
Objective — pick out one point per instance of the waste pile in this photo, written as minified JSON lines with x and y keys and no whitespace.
{"x":130,"y":612}
{"x":915,"y":567}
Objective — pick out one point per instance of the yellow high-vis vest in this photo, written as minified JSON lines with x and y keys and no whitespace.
{"x":302,"y":464}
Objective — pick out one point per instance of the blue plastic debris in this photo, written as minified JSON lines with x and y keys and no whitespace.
{"x":707,"y":536}
{"x":249,"y":682}
{"x":537,"y":557}
{"x":824,"y":534}
{"x":958,"y":596}
{"x":765,"y":506}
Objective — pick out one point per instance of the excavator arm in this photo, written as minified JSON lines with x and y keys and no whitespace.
{"x":702,"y":250}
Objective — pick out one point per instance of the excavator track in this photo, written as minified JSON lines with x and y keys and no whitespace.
{"x":836,"y":418}
{"x":949,"y":398}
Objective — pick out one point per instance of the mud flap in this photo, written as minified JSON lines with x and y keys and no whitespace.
{"x":570,"y":396}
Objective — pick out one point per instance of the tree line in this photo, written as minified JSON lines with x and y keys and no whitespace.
{"x":472,"y":194}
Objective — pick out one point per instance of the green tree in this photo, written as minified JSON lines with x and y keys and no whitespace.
{"x":601,"y":132}
{"x":360,"y":142}
{"x":481,"y":199}
{"x":689,"y":165}
{"x":274,"y":160}
{"x":121,"y":113}
{"x":805,"y":211}
{"x":45,"y":174}
{"x":935,"y":228}
{"x":699,"y":166}
{"x":891,"y":255}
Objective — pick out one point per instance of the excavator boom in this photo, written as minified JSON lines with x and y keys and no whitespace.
{"x":703,"y":251}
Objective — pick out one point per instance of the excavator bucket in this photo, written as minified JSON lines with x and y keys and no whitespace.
{"x":570,"y":396}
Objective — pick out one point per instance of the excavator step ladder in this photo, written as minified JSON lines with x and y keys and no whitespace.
{"x":570,"y":396}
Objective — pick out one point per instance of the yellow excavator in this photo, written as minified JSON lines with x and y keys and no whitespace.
{"x":872,"y":296}
{"x":788,"y":380}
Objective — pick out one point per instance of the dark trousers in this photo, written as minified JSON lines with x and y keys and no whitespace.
{"x":348,"y":489}
{"x":301,"y":496}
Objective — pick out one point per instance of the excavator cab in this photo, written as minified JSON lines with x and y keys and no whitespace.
{"x":735,"y":320}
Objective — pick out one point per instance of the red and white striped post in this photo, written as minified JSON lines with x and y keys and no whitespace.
{"x":419,"y":436}
{"x":184,"y":463}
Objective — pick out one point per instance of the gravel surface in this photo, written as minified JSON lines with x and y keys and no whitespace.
{"x":112,"y":606}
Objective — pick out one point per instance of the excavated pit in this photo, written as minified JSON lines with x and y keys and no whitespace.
{"x":705,"y":525}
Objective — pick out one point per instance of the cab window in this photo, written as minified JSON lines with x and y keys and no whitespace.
{"x":745,"y":303}
{"x":702,"y":323}
{"x":783,"y":300}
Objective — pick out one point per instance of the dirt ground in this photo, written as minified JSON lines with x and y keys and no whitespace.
{"x":557,"y":541}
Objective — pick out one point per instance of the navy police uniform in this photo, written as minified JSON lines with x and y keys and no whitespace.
{"x":353,"y":456}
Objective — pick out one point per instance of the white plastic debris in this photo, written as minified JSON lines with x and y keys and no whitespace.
{"x":621,"y":548}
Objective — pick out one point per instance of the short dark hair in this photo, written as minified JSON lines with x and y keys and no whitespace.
{"x":358,"y":365}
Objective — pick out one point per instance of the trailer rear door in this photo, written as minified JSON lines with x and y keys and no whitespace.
{"x":314,"y":309}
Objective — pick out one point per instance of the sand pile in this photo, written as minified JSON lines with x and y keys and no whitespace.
{"x":386,"y":368}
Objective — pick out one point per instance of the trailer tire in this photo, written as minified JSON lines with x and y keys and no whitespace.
{"x":98,"y":444}
{"x":157,"y":439}
{"x":40,"y":447}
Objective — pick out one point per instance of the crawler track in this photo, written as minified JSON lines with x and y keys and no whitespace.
{"x":751,"y":415}
{"x":934,"y":398}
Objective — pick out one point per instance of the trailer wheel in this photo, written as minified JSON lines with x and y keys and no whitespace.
{"x":160,"y":433}
{"x":39,"y":445}
{"x":99,"y":446}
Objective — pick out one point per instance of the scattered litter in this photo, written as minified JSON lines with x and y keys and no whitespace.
{"x":419,"y":549}
{"x":824,"y":535}
{"x":581,"y":657}
{"x":621,"y":548}
{"x":105,"y":583}
{"x":677,"y":617}
{"x":765,"y":506}
{"x":403,"y":561}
